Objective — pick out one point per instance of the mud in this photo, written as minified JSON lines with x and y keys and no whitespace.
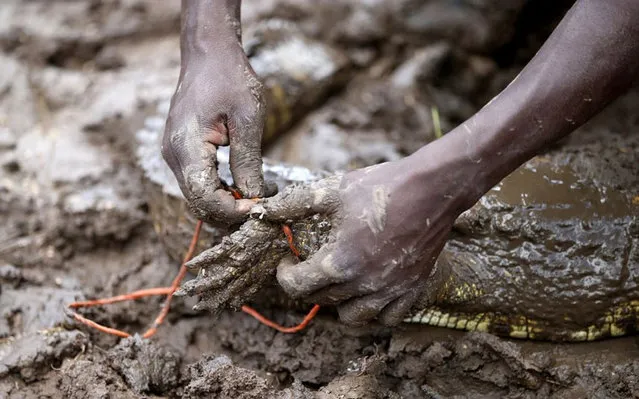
{"x":81,"y":78}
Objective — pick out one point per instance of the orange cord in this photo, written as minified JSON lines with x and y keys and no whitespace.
{"x":289,"y":237}
{"x":100,"y":327}
{"x":169,"y":291}
{"x":121,"y":298}
{"x":287,"y":330}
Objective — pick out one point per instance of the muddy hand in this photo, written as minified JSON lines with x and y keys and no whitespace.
{"x":388,"y":230}
{"x":218,"y":101}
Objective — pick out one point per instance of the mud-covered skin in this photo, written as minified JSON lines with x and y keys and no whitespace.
{"x":218,"y":101}
{"x":221,"y":101}
{"x":386,"y":235}
{"x":228,"y":283}
{"x":297,"y":73}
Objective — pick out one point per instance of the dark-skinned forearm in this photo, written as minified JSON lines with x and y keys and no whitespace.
{"x":208,"y":24}
{"x":590,"y":59}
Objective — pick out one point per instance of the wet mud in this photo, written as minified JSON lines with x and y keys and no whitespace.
{"x":83,"y":78}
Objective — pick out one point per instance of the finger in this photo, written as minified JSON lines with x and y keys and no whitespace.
{"x":362,"y":310}
{"x":169,"y":154}
{"x":245,"y":133}
{"x":338,"y":293}
{"x":396,"y":311}
{"x":203,"y":283}
{"x":240,"y":249}
{"x":299,"y":201}
{"x":193,"y":161}
{"x":325,"y":267}
{"x":190,"y":140}
{"x":211,"y":257}
{"x":212,"y":204}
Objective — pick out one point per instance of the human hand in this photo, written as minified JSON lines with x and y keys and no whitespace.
{"x":389,"y":224}
{"x":218,"y":101}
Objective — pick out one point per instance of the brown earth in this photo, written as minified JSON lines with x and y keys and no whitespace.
{"x":81,"y":77}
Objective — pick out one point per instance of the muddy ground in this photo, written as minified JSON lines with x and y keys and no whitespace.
{"x":80,"y":78}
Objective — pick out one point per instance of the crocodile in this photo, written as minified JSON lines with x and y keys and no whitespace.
{"x":550,"y":253}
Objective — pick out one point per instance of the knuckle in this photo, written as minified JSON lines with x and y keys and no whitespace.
{"x":170,"y":157}
{"x":254,"y":84}
{"x":339,"y":268}
{"x":175,"y":117}
{"x":250,"y":107}
{"x":168,"y":134}
{"x":168,"y":149}
{"x":248,"y":125}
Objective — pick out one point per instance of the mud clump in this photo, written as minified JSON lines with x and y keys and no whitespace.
{"x":145,"y":367}
{"x":356,"y":386}
{"x":31,"y":310}
{"x":216,"y":376}
{"x":91,"y":377}
{"x":30,"y":355}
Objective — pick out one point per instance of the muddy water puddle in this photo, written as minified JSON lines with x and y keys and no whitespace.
{"x":553,"y":192}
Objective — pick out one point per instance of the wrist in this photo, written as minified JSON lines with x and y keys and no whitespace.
{"x":207,"y":25}
{"x":449,"y":168}
{"x":483,"y":150}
